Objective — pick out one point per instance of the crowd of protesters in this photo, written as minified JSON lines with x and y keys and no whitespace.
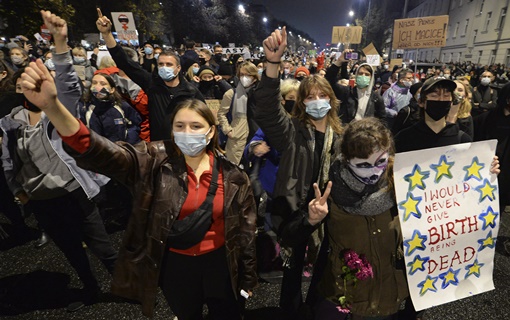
{"x":148,"y":147}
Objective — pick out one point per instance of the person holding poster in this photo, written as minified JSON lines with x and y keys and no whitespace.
{"x":436,"y":99}
{"x":363,"y":222}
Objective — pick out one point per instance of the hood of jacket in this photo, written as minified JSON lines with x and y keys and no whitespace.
{"x":372,"y":81}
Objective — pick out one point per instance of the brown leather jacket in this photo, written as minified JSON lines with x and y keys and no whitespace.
{"x":156,"y":176}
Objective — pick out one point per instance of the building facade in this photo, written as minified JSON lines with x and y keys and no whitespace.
{"x":477,"y":31}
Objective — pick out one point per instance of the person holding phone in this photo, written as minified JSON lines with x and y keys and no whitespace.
{"x":359,"y":101}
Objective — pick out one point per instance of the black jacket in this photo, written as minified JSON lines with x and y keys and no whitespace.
{"x":162,"y":99}
{"x":420,"y":136}
{"x":293,"y":140}
{"x":349,"y":98}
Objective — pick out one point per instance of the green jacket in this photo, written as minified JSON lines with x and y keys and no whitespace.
{"x":379,"y":239}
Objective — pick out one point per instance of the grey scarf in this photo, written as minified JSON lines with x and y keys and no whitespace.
{"x":358,"y":198}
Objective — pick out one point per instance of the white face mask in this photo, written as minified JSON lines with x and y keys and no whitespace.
{"x":246,"y":81}
{"x":485,"y":81}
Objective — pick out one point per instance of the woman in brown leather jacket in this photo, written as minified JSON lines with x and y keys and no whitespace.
{"x":195,"y":258}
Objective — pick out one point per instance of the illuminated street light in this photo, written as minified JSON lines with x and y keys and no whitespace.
{"x":264,"y":19}
{"x":348,"y":24}
{"x":351,"y":13}
{"x":241,"y":9}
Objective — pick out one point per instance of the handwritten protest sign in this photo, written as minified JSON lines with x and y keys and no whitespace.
{"x":449,"y":212}
{"x":125,"y":25}
{"x":346,"y":34}
{"x":424,"y":32}
{"x":374,"y":60}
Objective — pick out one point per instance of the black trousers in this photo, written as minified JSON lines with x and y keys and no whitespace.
{"x":291,"y":297}
{"x":71,"y":219}
{"x":188,"y":282}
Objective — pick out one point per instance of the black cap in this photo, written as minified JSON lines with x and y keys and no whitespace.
{"x":430,"y":83}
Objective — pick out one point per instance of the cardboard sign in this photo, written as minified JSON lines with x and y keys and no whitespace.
{"x":80,"y":72}
{"x":448,"y":205}
{"x":347,"y":34}
{"x":370,"y":50}
{"x":213,"y":104}
{"x":125,"y":25}
{"x":424,"y":32}
{"x":395,"y":62}
{"x":238,"y":50}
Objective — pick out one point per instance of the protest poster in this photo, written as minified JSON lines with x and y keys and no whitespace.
{"x":214,"y":106}
{"x":374,"y":60}
{"x":448,"y":206}
{"x":423,"y":32}
{"x":125,"y":26}
{"x":346,"y":34}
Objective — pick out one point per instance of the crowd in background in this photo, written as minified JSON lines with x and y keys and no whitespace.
{"x":267,"y":109}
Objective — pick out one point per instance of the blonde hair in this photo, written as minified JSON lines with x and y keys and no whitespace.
{"x":250,"y":68}
{"x":465,"y":106}
{"x":106,"y":62}
{"x":288,"y":85}
{"x":79,"y":51}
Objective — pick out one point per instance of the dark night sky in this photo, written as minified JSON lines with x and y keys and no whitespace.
{"x":316,"y":17}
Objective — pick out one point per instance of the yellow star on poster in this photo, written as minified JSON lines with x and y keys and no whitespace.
{"x":416,"y":177}
{"x":410,"y":206}
{"x":473,"y":170}
{"x":486,"y":191}
{"x":417,"y":264}
{"x":474,"y":269}
{"x":487,"y":242}
{"x":417,"y":242}
{"x":489,"y":218}
{"x":449,"y":277}
{"x":429,"y":284}
{"x":442,"y":168}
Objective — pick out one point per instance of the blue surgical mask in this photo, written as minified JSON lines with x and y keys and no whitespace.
{"x":260,"y":71}
{"x":79,"y":60}
{"x":49,"y":64}
{"x":156,"y":56}
{"x":317,"y":109}
{"x":147,"y":50}
{"x":166,"y":73}
{"x":195,"y":70}
{"x":191,"y":144}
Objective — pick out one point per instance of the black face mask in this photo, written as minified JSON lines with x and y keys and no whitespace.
{"x":437,"y":109}
{"x":217,"y":57}
{"x":202,"y":61}
{"x":299,"y":78}
{"x":289,"y":105}
{"x":23,"y":101}
{"x":206,"y":84}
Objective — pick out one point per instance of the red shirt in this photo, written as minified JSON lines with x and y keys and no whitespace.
{"x":197,"y":192}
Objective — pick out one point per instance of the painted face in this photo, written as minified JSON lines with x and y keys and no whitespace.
{"x":370,"y":170}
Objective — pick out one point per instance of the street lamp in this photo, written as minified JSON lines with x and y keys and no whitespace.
{"x":348,"y":25}
{"x":241,"y":9}
{"x":264,"y":19}
{"x":351,"y":13}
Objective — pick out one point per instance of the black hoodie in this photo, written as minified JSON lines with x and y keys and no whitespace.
{"x":420,"y":136}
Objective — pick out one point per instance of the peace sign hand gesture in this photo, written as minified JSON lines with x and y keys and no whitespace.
{"x":318,"y":207}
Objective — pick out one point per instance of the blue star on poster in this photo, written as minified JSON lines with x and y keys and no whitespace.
{"x":449,"y":277}
{"x":442,"y":168}
{"x":486,"y":190}
{"x":429,"y":284}
{"x":418,"y":263}
{"x":488,"y":242}
{"x":417,"y":242}
{"x":410,"y":206}
{"x":474,"y":269}
{"x":489,"y":218}
{"x":416,"y":177}
{"x":473,"y":170}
